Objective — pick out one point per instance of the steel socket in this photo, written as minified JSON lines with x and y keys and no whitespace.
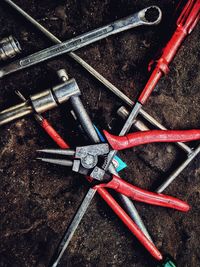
{"x":9,"y":48}
{"x":42,"y":101}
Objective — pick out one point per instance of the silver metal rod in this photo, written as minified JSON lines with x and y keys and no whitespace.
{"x":72,"y":227}
{"x":138,"y":19}
{"x":84,"y":119}
{"x":15,"y":112}
{"x":92,"y":71}
{"x":41,"y":102}
{"x":173,"y":176}
{"x":123,"y":112}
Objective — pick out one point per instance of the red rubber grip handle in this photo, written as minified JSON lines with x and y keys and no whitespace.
{"x":145,"y":196}
{"x":109,"y":200}
{"x":185,"y":24}
{"x":53,"y":134}
{"x":153,"y":136}
{"x":129,"y":223}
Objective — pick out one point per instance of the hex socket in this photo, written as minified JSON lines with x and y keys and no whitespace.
{"x":41,"y":102}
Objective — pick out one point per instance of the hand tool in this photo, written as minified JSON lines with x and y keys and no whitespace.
{"x":88,"y":126}
{"x":91,"y":70}
{"x":191,"y":153}
{"x":147,"y":17}
{"x":46,"y":126}
{"x":9,"y":48}
{"x":185,"y":24}
{"x":41,"y":102}
{"x":92,"y":161}
{"x":62,"y":144}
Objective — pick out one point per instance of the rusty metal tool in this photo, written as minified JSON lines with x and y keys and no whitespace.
{"x":91,"y":70}
{"x":92,"y":161}
{"x":191,"y":153}
{"x":146,"y":17}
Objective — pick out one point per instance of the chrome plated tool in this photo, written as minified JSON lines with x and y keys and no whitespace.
{"x":92,"y":161}
{"x":41,"y":102}
{"x":146,"y":17}
{"x":92,"y":71}
{"x":88,"y":126}
{"x":9,"y":48}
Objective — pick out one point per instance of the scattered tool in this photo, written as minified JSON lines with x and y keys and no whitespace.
{"x":146,"y":17}
{"x":92,"y":71}
{"x":41,"y":102}
{"x":92,"y":161}
{"x":46,"y":126}
{"x":89,"y":128}
{"x":185,"y":24}
{"x":9,"y":48}
{"x":191,"y":153}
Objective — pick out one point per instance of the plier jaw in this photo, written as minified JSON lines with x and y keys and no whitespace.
{"x":87,"y":160}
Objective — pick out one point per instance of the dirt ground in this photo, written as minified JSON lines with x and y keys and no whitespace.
{"x":39,"y":200}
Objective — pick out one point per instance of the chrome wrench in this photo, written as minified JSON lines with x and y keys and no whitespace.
{"x":146,"y":17}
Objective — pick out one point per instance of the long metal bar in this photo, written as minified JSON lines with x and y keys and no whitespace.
{"x":123,"y":112}
{"x":175,"y":173}
{"x":140,"y":18}
{"x":72,"y":227}
{"x":92,"y":71}
{"x":89,"y":128}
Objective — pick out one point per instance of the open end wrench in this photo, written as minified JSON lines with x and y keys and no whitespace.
{"x":146,"y":17}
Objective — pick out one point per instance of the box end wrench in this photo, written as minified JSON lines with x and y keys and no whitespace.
{"x":149,"y":16}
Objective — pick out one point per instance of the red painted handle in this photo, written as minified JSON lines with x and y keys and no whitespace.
{"x":142,"y":195}
{"x":109,"y":200}
{"x":153,"y":136}
{"x":129,"y":223}
{"x":53,"y":134}
{"x":185,"y":24}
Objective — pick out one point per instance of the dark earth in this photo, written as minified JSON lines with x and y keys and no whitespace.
{"x":38,"y":200}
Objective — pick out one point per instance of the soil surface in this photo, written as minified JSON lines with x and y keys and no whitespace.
{"x":38,"y":200}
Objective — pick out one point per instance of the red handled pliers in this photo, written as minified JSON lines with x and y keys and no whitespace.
{"x":90,"y":160}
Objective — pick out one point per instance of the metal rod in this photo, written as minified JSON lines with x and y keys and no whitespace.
{"x":173,"y":176}
{"x":123,"y":112}
{"x":138,"y":19}
{"x":77,"y":219}
{"x":72,"y":227}
{"x":91,"y":70}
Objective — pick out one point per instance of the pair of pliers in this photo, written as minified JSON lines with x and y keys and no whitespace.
{"x":90,"y":161}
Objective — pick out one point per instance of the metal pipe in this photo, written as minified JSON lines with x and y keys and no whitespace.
{"x":91,"y":70}
{"x":41,"y":102}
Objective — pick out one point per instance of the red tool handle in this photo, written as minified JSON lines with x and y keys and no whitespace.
{"x":129,"y":223}
{"x":142,"y":195}
{"x":153,"y":136}
{"x":109,"y":200}
{"x":185,"y":24}
{"x":53,"y":134}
